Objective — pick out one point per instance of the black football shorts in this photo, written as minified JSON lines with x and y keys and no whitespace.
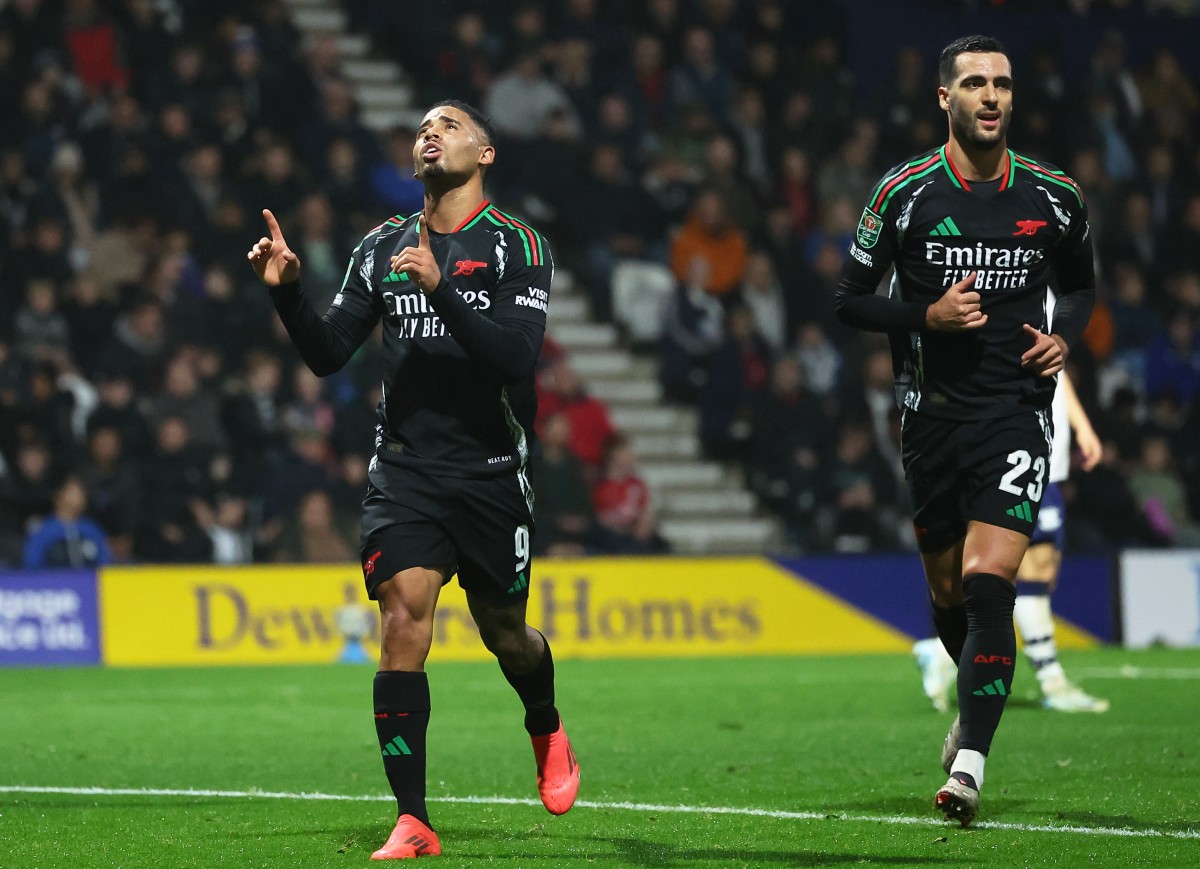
{"x":989,"y":470}
{"x":479,"y":527}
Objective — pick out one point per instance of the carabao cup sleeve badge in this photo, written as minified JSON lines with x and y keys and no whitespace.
{"x":868,"y":228}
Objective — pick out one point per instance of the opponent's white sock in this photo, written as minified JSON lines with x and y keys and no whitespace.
{"x":1036,"y":626}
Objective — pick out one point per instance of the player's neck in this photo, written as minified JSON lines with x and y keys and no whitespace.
{"x":445,"y":210}
{"x":978,"y":164}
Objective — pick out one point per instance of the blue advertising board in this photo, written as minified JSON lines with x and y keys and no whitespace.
{"x":892,"y":588}
{"x":48,"y":618}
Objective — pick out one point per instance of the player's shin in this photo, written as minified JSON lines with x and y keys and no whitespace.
{"x":536,"y":690}
{"x":986,"y":667}
{"x":401,"y":720}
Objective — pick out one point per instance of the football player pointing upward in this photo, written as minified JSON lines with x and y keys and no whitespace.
{"x":975,"y":232}
{"x":462,"y":290}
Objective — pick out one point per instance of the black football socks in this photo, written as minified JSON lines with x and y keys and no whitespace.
{"x":950,"y":623}
{"x":536,"y":690}
{"x":985,"y":669}
{"x":401,"y":719}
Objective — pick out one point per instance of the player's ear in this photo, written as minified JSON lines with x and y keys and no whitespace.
{"x":487,"y":155}
{"x":944,"y":98}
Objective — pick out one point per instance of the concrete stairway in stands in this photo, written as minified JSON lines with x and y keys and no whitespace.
{"x":383,"y":94}
{"x":703,"y":506}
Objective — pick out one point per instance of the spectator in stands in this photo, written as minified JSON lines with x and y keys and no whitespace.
{"x":820,"y":361}
{"x":308,"y":410}
{"x":40,"y":328}
{"x":622,"y":501}
{"x":228,"y":528}
{"x":1172,"y":363}
{"x":787,"y":428}
{"x":67,"y":538}
{"x":737,"y":368}
{"x":169,"y":530}
{"x":321,"y":242}
{"x":591,"y":426}
{"x":855,"y":487}
{"x":643,"y":84}
{"x":1106,"y":515}
{"x":566,"y":516}
{"x":709,"y":234}
{"x":183,"y":395}
{"x":610,"y":218}
{"x":722,"y":173}
{"x":26,"y":497}
{"x":762,"y":294}
{"x":114,"y":488}
{"x":89,"y":315}
{"x":1160,"y":494}
{"x":466,"y":61}
{"x":138,"y":344}
{"x":521,"y":99}
{"x":314,"y":535}
{"x":693,"y":327}
{"x":252,"y":418}
{"x":700,"y":79}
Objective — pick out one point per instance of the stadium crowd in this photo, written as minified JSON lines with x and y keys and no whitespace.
{"x":152,"y":409}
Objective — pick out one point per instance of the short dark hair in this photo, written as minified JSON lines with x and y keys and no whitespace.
{"x":477,"y":117}
{"x":965,"y":45}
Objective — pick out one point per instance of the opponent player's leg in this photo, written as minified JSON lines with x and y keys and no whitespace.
{"x":406,"y":604}
{"x":1036,"y":580}
{"x":527,"y":663}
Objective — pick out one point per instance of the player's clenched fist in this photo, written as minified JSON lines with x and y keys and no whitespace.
{"x":958,"y":310}
{"x":1047,"y":355}
{"x":419,"y":263}
{"x":272,"y":260}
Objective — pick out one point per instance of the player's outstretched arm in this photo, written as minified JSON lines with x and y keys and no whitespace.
{"x":325,"y":344}
{"x":958,"y":310}
{"x":1047,"y":355}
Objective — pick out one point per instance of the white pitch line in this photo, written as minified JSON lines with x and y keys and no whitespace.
{"x":899,"y":820}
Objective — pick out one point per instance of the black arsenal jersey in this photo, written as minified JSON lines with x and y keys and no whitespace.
{"x":935,"y":227}
{"x":458,"y":388}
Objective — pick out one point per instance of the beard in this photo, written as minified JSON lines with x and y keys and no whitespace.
{"x":966,"y":132}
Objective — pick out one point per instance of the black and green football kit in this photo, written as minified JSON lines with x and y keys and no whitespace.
{"x":976,"y":431}
{"x":455,"y":425}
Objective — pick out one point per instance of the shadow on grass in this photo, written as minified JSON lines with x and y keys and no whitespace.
{"x":641,"y":852}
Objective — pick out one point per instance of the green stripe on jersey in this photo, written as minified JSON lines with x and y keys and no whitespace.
{"x":888,"y":179}
{"x":535,"y":240}
{"x":887,"y":199}
{"x":1038,"y":171}
{"x":480,"y":216}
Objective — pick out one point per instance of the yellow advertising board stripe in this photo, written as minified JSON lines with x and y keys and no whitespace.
{"x":588,"y":608}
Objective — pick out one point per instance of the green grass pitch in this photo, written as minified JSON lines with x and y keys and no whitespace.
{"x":775,"y":762}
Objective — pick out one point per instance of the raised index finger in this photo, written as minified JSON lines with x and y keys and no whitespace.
{"x":273,"y":225}
{"x":422,"y":235}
